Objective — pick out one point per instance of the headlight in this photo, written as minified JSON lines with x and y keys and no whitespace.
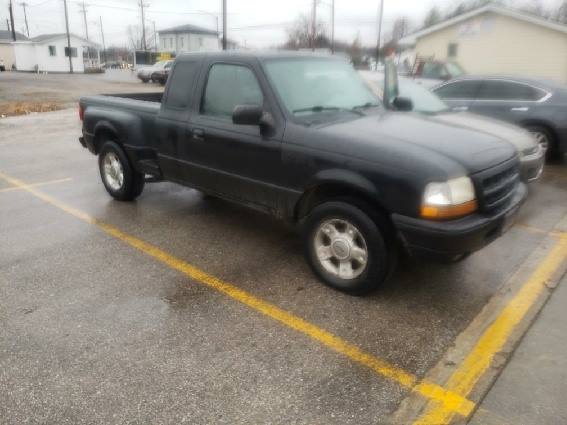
{"x":450,"y":199}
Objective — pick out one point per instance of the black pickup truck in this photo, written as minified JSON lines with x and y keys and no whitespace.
{"x":301,"y":137}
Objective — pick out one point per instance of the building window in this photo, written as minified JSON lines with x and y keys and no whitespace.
{"x":200,"y":41}
{"x":73,"y":52}
{"x":181,"y":41}
{"x":171,"y":43}
{"x":452,"y":50}
{"x":52,"y":51}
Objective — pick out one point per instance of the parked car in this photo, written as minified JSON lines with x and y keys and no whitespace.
{"x":160,"y":75}
{"x":302,"y":137}
{"x":431,"y":72}
{"x":145,"y":72}
{"x":532,"y":153}
{"x":537,"y":105}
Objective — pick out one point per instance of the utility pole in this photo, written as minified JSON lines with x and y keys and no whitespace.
{"x":24,"y":5}
{"x":313,"y":24}
{"x":102,"y":36}
{"x":83,"y":10}
{"x":332,"y":26}
{"x":68,"y":37}
{"x":144,"y":46}
{"x":224,"y":29}
{"x":380,"y":13}
{"x":155,"y":37}
{"x":12,"y":21}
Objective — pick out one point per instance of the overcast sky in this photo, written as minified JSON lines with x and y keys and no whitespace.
{"x":256,"y":23}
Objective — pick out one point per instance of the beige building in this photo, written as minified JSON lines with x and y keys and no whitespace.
{"x":498,"y":40}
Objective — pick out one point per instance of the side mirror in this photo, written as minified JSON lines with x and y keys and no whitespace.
{"x":403,"y":104}
{"x":247,"y":114}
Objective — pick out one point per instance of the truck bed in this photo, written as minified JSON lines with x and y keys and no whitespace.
{"x":145,"y":96}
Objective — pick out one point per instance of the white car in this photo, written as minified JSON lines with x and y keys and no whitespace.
{"x":145,"y":73}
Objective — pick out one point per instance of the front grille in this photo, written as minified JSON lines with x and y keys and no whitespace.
{"x":496,"y":187}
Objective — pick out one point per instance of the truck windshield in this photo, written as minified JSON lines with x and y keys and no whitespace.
{"x":316,"y":86}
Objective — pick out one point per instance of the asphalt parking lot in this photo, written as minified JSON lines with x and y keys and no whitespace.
{"x":182,"y":308}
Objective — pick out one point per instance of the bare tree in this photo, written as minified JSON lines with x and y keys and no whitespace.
{"x":299,"y":34}
{"x":561,"y":15}
{"x":401,"y":28}
{"x":433,"y":17}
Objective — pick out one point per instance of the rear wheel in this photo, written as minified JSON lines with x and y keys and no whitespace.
{"x":120,"y":179}
{"x":346,"y":249}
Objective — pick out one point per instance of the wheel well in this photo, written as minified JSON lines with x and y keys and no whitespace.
{"x":545,"y":126}
{"x":336,"y":191}
{"x":102,"y":135}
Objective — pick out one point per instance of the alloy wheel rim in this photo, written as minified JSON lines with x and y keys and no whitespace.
{"x":341,"y":249}
{"x":113,"y":171}
{"x":541,"y":139}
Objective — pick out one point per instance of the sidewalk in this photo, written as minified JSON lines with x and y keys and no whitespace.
{"x":532,"y":388}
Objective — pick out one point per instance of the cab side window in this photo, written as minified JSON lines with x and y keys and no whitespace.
{"x":182,"y":78}
{"x":508,"y":90}
{"x":228,"y":86}
{"x":466,"y":89}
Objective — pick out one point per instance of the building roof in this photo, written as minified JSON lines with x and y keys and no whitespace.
{"x":492,"y":8}
{"x":46,"y":37}
{"x":188,"y":28}
{"x":7,"y":36}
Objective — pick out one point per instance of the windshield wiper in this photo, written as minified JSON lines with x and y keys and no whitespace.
{"x":320,"y":108}
{"x":317,"y":108}
{"x":365,"y":106}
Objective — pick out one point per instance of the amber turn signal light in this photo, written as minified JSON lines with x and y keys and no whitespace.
{"x":446,"y":212}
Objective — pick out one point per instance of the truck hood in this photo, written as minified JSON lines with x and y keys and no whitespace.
{"x":519,"y":137}
{"x":413,"y":135}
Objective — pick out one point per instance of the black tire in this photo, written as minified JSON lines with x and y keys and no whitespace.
{"x":133,"y":181}
{"x":381,"y":253}
{"x":553,"y":149}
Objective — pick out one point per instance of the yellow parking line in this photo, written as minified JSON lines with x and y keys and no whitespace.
{"x":10,"y":189}
{"x":542,"y":231}
{"x":477,"y":362}
{"x":429,"y":390}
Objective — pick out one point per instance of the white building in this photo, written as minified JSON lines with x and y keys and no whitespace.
{"x":187,"y":38}
{"x":49,"y":53}
{"x":7,"y":54}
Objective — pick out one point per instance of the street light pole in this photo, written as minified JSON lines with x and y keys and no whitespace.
{"x":224,"y":29}
{"x":380,"y":13}
{"x":313,"y":25}
{"x":155,"y":36}
{"x":102,"y":36}
{"x":332,"y":26}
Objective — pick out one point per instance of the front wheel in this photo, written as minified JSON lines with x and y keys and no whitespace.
{"x":120,"y":179}
{"x":346,"y":249}
{"x":545,"y":139}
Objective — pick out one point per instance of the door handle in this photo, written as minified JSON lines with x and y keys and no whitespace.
{"x":460,"y":108}
{"x":198,"y":134}
{"x":520,"y":109}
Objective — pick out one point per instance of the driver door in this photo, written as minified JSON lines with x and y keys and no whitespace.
{"x":235,"y":161}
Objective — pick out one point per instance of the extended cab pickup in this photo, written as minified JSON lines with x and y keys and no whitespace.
{"x":301,"y":137}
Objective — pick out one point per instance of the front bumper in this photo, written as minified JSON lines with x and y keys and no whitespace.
{"x":531,"y":166}
{"x":452,"y":239}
